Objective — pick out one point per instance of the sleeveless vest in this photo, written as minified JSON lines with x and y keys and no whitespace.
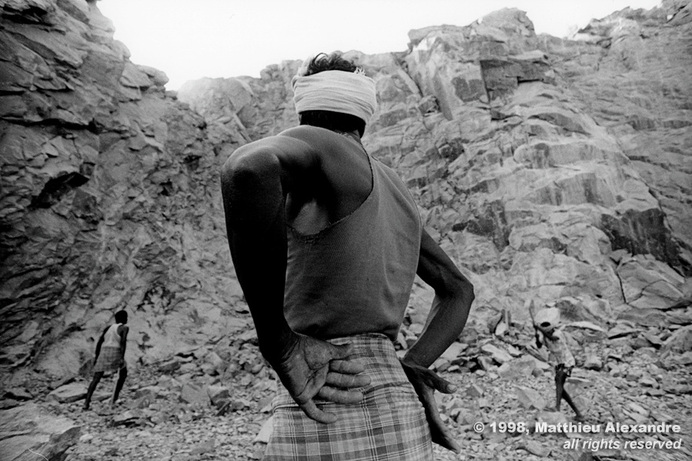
{"x":356,"y":275}
{"x":112,"y":338}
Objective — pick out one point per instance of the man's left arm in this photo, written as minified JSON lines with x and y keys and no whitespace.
{"x":451,"y":305}
{"x":448,"y":315}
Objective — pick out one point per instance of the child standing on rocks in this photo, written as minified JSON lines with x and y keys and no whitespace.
{"x":549,"y":332}
{"x":110,"y":356}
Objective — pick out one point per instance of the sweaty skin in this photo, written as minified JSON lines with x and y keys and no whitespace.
{"x":306,"y":178}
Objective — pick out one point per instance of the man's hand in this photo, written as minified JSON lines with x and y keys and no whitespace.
{"x":426,"y":382}
{"x":313,"y":368}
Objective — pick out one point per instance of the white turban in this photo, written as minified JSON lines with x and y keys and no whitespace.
{"x":336,"y":91}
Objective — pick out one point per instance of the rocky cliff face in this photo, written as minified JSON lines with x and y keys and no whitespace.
{"x":553,"y":170}
{"x":109,"y":198}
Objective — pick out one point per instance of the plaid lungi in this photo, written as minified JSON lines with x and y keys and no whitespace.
{"x":389,"y":424}
{"x":110,"y":359}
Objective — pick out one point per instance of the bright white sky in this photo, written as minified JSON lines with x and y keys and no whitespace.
{"x":191,"y":39}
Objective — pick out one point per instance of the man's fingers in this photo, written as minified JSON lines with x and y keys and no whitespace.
{"x":439,"y":432}
{"x":442,"y":436}
{"x":341,"y":352}
{"x":346,"y":373}
{"x":346,"y":366}
{"x":347,"y":381}
{"x":446,"y":387}
{"x":313,"y":412}
{"x":445,"y":439}
{"x":340,"y":396}
{"x":435,"y":381}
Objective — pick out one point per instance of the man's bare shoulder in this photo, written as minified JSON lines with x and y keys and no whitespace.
{"x":294,"y":141}
{"x":309,"y":134}
{"x":300,"y":141}
{"x":329,"y":146}
{"x":293,"y":152}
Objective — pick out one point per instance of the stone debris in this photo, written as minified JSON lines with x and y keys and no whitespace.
{"x":593,"y":362}
{"x":474,"y":391}
{"x":29,"y":431}
{"x":521,"y":367}
{"x":535,"y":448}
{"x":69,"y":393}
{"x":155,"y":421}
{"x":530,"y":398}
{"x":18,"y":394}
{"x":135,"y":417}
{"x":680,"y":341}
{"x":498,"y":355}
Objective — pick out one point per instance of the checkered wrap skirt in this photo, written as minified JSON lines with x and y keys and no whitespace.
{"x":388,"y":425}
{"x":109,"y":360}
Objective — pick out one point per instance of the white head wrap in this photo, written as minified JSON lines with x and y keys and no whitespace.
{"x":336,"y":91}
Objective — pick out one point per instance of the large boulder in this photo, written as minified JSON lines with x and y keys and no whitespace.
{"x":29,"y":433}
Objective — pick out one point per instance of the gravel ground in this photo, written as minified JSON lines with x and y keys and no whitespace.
{"x":634,"y":386}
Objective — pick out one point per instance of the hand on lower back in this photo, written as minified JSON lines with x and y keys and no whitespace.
{"x":311,"y":368}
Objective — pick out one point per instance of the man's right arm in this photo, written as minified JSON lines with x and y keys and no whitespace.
{"x":539,"y":338}
{"x":254,"y":186}
{"x":255,"y":181}
{"x":99,"y":343}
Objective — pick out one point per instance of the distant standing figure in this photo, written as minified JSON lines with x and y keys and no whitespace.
{"x":110,"y":356}
{"x":549,"y":332}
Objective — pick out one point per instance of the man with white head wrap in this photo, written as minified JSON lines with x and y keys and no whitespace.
{"x":549,"y":332}
{"x":326,"y":242}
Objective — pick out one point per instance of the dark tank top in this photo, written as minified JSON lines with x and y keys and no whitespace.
{"x":355,"y":276}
